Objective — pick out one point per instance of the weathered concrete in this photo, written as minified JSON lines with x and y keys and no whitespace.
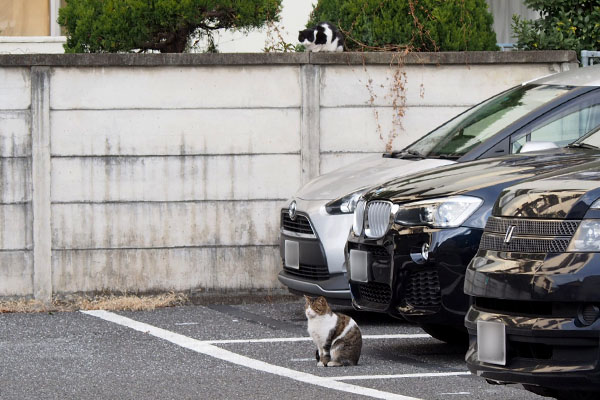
{"x":129,"y":172}
{"x":40,"y":154}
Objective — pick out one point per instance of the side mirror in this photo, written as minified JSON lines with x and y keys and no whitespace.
{"x":537,"y":146}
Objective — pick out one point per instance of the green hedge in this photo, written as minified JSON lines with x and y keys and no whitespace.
{"x":94,"y":26}
{"x":420,"y":25}
{"x":564,"y":25}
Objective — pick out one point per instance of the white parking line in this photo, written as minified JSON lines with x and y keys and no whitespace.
{"x":225,"y":355}
{"x":416,"y":375}
{"x":305,"y":339}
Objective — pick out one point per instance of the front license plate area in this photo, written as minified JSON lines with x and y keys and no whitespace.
{"x":292,"y":254}
{"x":491,"y":342}
{"x":359,"y":265}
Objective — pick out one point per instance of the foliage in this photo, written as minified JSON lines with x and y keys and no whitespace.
{"x":564,"y":25}
{"x":420,"y":25}
{"x":97,"y":26}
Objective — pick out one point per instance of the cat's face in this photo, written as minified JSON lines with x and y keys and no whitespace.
{"x":306,"y":36}
{"x":314,"y":307}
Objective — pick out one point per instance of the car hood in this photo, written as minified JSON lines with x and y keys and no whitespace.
{"x":563,"y":194}
{"x":362,"y":174}
{"x":484,"y":178}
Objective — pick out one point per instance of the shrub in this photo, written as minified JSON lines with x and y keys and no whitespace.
{"x":94,"y":26}
{"x":420,"y":25}
{"x":564,"y":25}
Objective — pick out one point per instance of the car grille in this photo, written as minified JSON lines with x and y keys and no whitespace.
{"x":312,"y":272}
{"x":375,"y":292}
{"x":423,"y":289}
{"x":532,"y":227}
{"x":523,"y":245}
{"x":528,"y":236}
{"x":378,"y":218}
{"x":300,"y":225}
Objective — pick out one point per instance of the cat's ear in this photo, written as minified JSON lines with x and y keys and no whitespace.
{"x":307,"y":299}
{"x":322,"y":300}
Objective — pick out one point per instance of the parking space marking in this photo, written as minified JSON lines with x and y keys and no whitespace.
{"x":415,"y":375}
{"x":307,"y":338}
{"x":234,"y":358}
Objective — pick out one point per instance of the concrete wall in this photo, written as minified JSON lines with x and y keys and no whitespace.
{"x":158,"y":172}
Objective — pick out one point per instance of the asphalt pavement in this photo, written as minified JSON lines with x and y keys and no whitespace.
{"x":224,"y":351}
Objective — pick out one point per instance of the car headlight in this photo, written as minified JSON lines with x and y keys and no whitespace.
{"x":587,"y":237}
{"x":346,"y":204}
{"x":446,"y":212}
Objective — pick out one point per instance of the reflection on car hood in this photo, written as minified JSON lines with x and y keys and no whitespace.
{"x":366,"y":172}
{"x":566,"y":193}
{"x":477,"y":177}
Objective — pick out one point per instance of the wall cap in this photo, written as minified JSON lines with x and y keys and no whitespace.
{"x":347,"y":58}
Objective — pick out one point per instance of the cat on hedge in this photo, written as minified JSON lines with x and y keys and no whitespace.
{"x":322,"y":37}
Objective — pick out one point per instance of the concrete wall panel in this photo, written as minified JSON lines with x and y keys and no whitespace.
{"x":15,"y":227}
{"x":15,"y":180}
{"x":16,"y":89}
{"x":175,"y":132}
{"x":173,"y":224}
{"x":369,"y":129}
{"x":16,"y":273}
{"x":15,"y":137}
{"x":174,"y":178}
{"x":425,"y":85}
{"x":176,"y":87}
{"x":133,"y":271}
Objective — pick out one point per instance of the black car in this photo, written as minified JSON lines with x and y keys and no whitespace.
{"x":413,"y":238}
{"x":535,"y":282}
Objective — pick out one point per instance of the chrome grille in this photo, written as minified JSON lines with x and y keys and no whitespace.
{"x":378,"y":218}
{"x":523,"y":235}
{"x":300,"y":226}
{"x":359,"y":216}
{"x":524,"y":245}
{"x":532,"y":226}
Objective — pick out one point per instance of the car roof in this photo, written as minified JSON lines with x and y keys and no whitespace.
{"x":587,"y":76}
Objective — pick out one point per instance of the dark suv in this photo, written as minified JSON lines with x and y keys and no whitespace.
{"x":413,"y":237}
{"x":535,"y":282}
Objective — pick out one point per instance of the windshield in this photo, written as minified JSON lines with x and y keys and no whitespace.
{"x":476,"y":125}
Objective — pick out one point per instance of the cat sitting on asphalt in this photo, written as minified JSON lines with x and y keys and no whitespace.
{"x":322,"y":37}
{"x":337,"y":336}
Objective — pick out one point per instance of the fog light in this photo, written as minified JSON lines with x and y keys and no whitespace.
{"x":588,"y":314}
{"x":420,"y":256}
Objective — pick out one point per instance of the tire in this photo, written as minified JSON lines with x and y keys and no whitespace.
{"x":447,"y":334}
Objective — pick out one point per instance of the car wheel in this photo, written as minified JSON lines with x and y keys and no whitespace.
{"x":448,"y":334}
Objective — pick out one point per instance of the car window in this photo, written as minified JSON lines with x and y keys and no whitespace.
{"x":562,"y":127}
{"x":461,"y":134}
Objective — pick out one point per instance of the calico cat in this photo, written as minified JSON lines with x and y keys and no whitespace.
{"x":322,"y":37}
{"x":337,"y":336}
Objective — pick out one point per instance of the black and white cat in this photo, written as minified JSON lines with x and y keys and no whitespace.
{"x":337,"y":336}
{"x":322,"y":37}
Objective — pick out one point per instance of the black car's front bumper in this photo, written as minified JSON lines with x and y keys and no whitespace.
{"x":548,"y":352}
{"x":540,"y":299}
{"x":426,"y":293}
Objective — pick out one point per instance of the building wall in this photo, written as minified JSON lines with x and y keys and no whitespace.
{"x":139,"y":173}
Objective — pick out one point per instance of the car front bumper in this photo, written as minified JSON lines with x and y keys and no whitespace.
{"x":540,"y":299}
{"x":549,"y":352}
{"x":322,"y":270}
{"x":427,"y":293}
